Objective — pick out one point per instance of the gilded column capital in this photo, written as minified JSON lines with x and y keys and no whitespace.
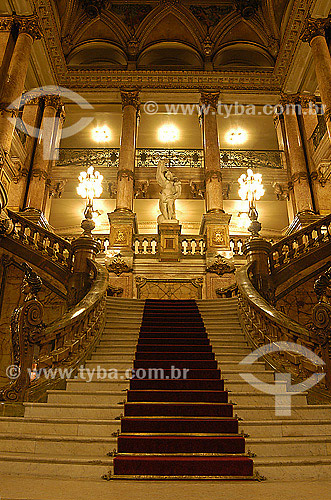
{"x":29,"y":25}
{"x":314,"y":28}
{"x":6,"y":23}
{"x":286,"y":99}
{"x":209,"y":98}
{"x":307,"y":100}
{"x":54,"y":101}
{"x":130,"y":98}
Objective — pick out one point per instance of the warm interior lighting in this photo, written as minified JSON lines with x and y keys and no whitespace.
{"x":251,"y":187}
{"x":236,"y":136}
{"x":101,"y":134}
{"x":244,"y":220}
{"x":90,"y":184}
{"x":168,"y":133}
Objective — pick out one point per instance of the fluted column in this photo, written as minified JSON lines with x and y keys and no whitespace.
{"x":125,"y":176}
{"x":44,"y":153}
{"x":213,"y":177}
{"x":299,"y":175}
{"x":314,"y":34}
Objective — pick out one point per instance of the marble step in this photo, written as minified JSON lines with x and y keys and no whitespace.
{"x":98,"y":359}
{"x":294,"y":468}
{"x":58,"y":426}
{"x":258,"y":399}
{"x":127,"y":346}
{"x":36,"y":444}
{"x":290,"y":446}
{"x":55,"y":466}
{"x":286,"y":427}
{"x":70,"y":410}
{"x":84,"y":398}
{"x":218,"y":351}
{"x":297,"y":412}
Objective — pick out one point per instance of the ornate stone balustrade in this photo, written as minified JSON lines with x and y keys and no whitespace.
{"x":263,"y":324}
{"x":36,"y":243}
{"x":190,"y":158}
{"x":297,"y":248}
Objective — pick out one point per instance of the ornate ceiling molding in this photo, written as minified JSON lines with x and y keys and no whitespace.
{"x":259,"y":79}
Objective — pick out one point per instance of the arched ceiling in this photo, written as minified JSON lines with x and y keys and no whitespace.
{"x":134,"y":27}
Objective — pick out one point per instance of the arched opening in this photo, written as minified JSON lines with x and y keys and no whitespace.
{"x":170,"y":55}
{"x":97,"y":54}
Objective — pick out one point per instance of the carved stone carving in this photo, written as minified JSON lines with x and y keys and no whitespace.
{"x":57,"y":188}
{"x":221,"y":266}
{"x":53,"y":100}
{"x":6,"y":23}
{"x":213,"y":174}
{"x":118,"y":265}
{"x":322,"y":174}
{"x":112,"y":189}
{"x":171,"y":189}
{"x":130,"y":98}
{"x":210,"y":98}
{"x":26,"y":330}
{"x":314,"y":28}
{"x":29,"y":25}
{"x":22,"y":173}
{"x":141,"y":189}
{"x":281,"y":191}
{"x":93,"y":7}
{"x":247,"y":8}
{"x":125,"y":173}
{"x":197,"y":189}
{"x":114,"y":292}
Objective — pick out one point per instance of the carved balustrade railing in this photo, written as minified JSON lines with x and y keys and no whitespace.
{"x":190,"y":158}
{"x":292,"y":254}
{"x":146,"y":244}
{"x":36,"y":242}
{"x":263,"y":325}
{"x":192,"y":245}
{"x":63,"y":345}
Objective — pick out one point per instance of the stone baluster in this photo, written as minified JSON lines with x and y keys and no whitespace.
{"x":298,"y":170}
{"x":44,"y":154}
{"x":314,"y":34}
{"x":215,"y":222}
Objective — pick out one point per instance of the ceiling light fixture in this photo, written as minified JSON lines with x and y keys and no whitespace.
{"x":168,"y":133}
{"x":101,"y":134}
{"x":236,"y":136}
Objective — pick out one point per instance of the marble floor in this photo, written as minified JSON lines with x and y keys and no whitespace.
{"x":28,"y":488}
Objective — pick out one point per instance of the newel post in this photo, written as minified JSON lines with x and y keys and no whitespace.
{"x":85,"y":248}
{"x":257,"y":251}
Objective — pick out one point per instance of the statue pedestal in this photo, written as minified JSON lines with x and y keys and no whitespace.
{"x":215,"y":226}
{"x":169,"y":245}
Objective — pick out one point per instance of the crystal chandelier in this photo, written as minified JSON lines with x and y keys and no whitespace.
{"x":251,"y":189}
{"x":90,"y":187}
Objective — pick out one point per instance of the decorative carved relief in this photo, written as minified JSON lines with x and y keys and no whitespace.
{"x":57,"y":188}
{"x":130,"y":98}
{"x":93,"y":8}
{"x":322,"y":174}
{"x":169,"y":289}
{"x":314,"y":28}
{"x":221,"y":266}
{"x":247,"y":8}
{"x":281,"y":191}
{"x":29,"y":25}
{"x":213,"y":175}
{"x":197,"y":189}
{"x":118,"y":265}
{"x":141,"y":189}
{"x":125,"y":173}
{"x":210,"y":98}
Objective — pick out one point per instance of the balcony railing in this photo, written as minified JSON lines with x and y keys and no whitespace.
{"x":189,"y":158}
{"x":319,"y":132}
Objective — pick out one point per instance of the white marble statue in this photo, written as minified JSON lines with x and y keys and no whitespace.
{"x":171,"y":190}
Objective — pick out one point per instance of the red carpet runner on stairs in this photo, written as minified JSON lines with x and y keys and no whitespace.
{"x":178,"y":427}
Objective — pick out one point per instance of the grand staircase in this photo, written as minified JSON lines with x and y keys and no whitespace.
{"x":71,"y":434}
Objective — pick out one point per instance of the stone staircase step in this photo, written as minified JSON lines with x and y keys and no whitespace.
{"x":35,"y":444}
{"x":61,"y":426}
{"x":294,"y":468}
{"x":55,"y":466}
{"x":297,"y":412}
{"x":87,"y":398}
{"x":286,"y":428}
{"x":290,"y":446}
{"x":48,"y":410}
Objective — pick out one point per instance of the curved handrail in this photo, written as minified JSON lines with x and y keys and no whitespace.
{"x":246,"y":289}
{"x":77,"y":313}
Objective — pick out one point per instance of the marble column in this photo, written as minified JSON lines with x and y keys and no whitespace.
{"x":32,"y":114}
{"x":298,"y":170}
{"x":215,"y":222}
{"x":211,"y":147}
{"x":43,"y":154}
{"x":314,"y":34}
{"x":28,"y":31}
{"x":6,"y":46}
{"x":127,"y":157}
{"x":123,"y":221}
